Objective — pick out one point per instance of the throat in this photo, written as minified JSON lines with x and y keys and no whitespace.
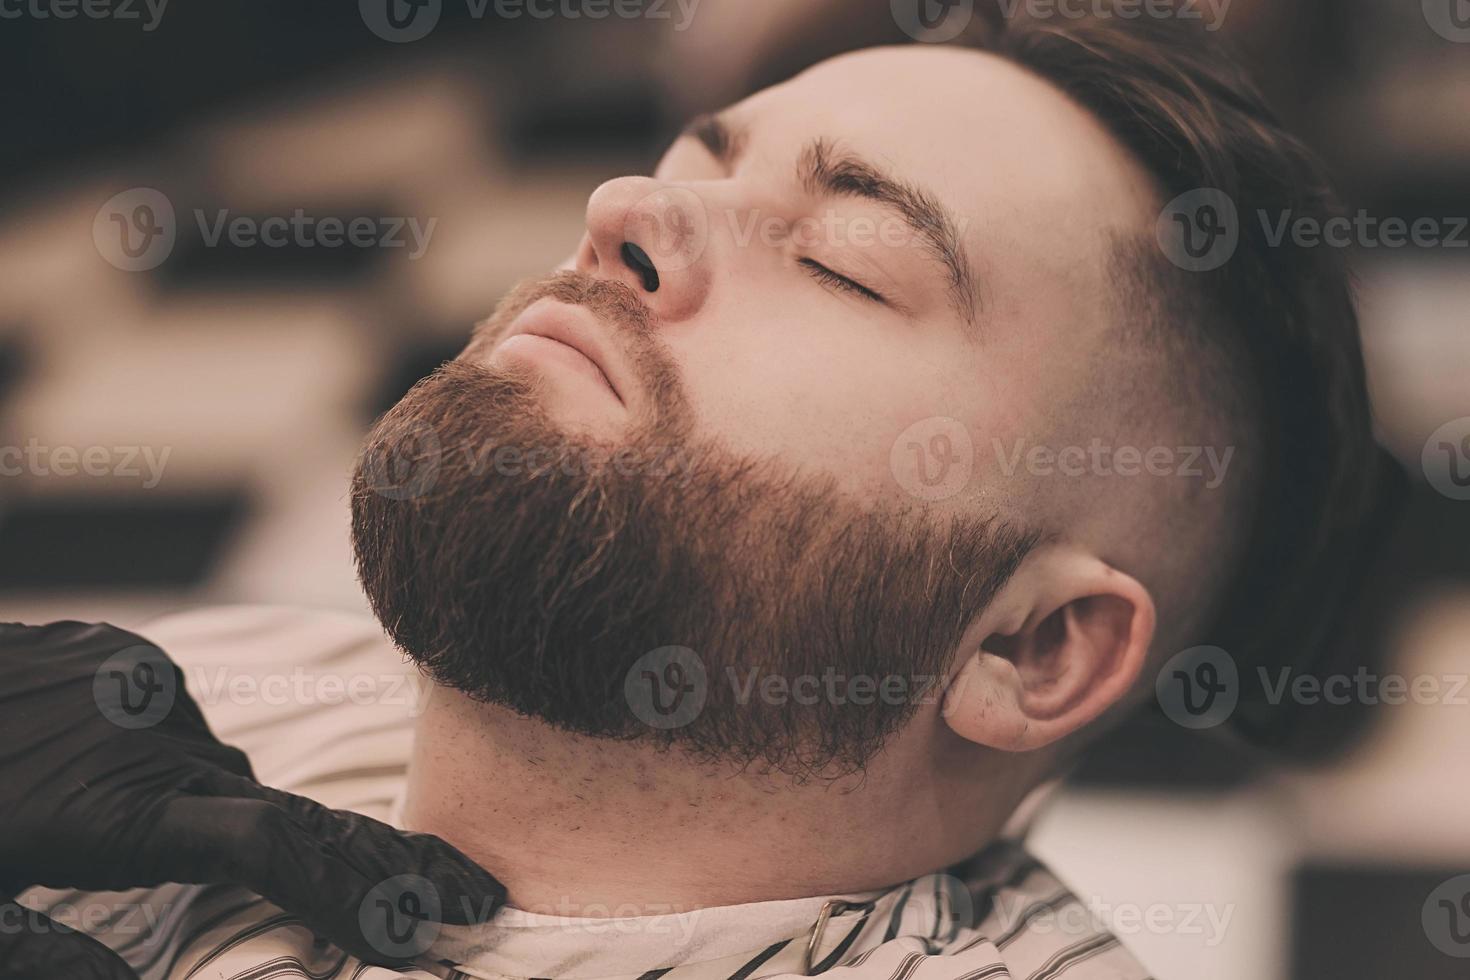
{"x":583,"y":827}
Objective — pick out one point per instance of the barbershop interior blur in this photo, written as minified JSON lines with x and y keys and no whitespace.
{"x":181,"y":436}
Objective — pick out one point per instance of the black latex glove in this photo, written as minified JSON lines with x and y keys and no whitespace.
{"x":110,"y":779}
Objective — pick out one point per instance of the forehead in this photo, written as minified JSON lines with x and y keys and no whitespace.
{"x":1012,"y":156}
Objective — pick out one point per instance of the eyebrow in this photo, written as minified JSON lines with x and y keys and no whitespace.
{"x":822,"y":169}
{"x":718,"y":134}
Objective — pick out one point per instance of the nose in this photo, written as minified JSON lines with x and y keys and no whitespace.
{"x":651,"y":236}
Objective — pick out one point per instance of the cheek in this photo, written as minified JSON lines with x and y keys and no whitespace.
{"x":832,"y":400}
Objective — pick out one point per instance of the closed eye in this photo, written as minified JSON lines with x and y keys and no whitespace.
{"x":837,"y":281}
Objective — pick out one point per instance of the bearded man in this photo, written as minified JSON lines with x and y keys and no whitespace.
{"x":766,"y":557}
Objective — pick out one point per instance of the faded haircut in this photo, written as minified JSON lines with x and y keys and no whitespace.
{"x":1279,"y":318}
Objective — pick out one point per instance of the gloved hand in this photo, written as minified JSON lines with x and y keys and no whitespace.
{"x":110,"y":779}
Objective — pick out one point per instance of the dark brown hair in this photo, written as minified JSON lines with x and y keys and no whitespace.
{"x":1181,"y":101}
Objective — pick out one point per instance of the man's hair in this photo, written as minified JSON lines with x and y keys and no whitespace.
{"x":1279,"y":317}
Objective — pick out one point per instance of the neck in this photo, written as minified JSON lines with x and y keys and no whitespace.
{"x":591,"y":827}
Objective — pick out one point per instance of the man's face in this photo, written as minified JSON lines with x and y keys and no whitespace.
{"x":974,"y":199}
{"x":724,"y":414}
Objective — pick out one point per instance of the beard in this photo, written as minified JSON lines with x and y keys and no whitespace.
{"x":664,"y":588}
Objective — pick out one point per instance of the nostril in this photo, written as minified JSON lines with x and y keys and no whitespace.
{"x":637,"y":260}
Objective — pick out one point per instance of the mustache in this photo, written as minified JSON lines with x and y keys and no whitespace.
{"x":615,"y":304}
{"x":618,"y":307}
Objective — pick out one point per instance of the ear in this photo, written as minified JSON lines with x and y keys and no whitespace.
{"x":1065,"y":640}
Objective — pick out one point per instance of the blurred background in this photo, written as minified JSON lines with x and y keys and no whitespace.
{"x":183,"y":417}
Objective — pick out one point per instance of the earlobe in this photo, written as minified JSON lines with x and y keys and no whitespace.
{"x":1078,"y":652}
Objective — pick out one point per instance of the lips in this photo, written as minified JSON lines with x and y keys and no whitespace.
{"x":572,"y":328}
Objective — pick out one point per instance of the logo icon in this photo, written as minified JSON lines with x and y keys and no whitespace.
{"x":666,"y":688}
{"x":1450,"y":19}
{"x":135,"y":687}
{"x":406,"y":465}
{"x":401,"y":917}
{"x":943,"y":903}
{"x":932,"y":21}
{"x":933,"y":458}
{"x":400,"y":21}
{"x":1446,"y":459}
{"x":1446,"y":917}
{"x":1199,"y":231}
{"x":671,"y":225}
{"x":1199,"y":687}
{"x":135,"y":230}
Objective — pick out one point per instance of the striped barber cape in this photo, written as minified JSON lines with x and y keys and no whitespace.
{"x":324,"y":707}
